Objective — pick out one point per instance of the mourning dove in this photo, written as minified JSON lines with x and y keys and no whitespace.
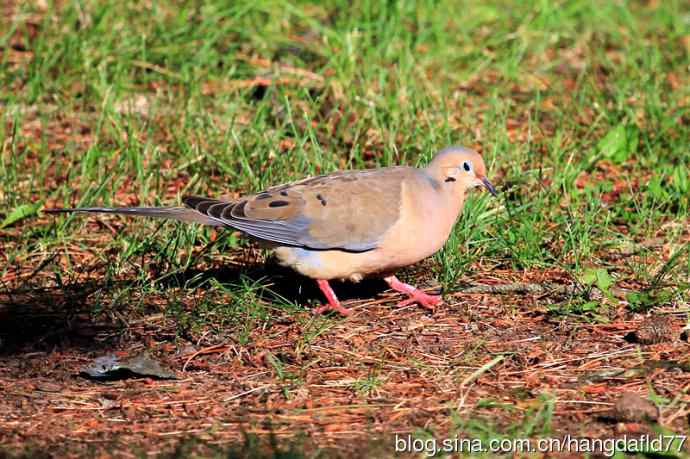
{"x":347,"y":224}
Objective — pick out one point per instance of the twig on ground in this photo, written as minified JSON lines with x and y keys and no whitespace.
{"x":246,"y":392}
{"x":481,"y":370}
{"x":207,"y":350}
{"x":520,"y":287}
{"x":546,"y":288}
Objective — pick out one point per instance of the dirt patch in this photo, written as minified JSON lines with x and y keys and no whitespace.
{"x":384,"y":371}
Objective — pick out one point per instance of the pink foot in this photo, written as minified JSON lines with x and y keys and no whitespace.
{"x":414,"y":294}
{"x":333,"y":303}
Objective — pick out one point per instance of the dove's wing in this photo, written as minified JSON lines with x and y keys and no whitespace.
{"x":344,"y":210}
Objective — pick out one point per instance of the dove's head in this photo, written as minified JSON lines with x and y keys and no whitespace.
{"x":458,"y":169}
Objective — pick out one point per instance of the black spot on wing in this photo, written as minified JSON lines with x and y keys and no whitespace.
{"x":321,"y":199}
{"x":283,"y":193}
{"x":263,"y":196}
{"x":278,"y":203}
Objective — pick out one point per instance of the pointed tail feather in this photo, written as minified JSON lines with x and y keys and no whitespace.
{"x":174,"y":213}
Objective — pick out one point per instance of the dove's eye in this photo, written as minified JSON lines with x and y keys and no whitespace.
{"x":467,"y":166}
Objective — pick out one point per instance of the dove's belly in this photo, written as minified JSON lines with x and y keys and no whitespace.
{"x":338,"y":264}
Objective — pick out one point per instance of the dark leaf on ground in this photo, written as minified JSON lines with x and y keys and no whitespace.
{"x":111,"y":367}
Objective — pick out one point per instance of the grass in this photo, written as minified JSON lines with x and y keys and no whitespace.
{"x":581,"y":110}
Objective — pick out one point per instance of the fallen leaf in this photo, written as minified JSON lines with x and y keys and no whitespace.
{"x":111,"y":367}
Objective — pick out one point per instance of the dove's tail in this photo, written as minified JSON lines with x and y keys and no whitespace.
{"x":182,"y":214}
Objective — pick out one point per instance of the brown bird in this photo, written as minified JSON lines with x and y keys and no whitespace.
{"x":348,"y":224}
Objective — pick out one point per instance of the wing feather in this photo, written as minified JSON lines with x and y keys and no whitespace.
{"x":344,"y":210}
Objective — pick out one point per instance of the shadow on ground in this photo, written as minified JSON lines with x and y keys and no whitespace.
{"x":35,"y":319}
{"x":283,"y":282}
{"x":46,"y":318}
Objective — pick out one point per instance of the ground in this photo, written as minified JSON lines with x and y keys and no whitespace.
{"x":565,"y":300}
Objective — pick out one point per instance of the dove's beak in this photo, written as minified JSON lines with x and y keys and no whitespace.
{"x":488,"y":185}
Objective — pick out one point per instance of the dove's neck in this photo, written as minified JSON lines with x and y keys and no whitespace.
{"x":440,"y":207}
{"x":448,"y":196}
{"x":453,"y":204}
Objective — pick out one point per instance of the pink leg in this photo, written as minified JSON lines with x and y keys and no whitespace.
{"x":414,"y":294}
{"x":333,"y":303}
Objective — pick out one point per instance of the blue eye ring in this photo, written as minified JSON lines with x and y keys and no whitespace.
{"x":466,"y":166}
